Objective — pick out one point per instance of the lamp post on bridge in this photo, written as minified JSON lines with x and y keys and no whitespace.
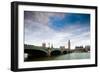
{"x":49,"y":50}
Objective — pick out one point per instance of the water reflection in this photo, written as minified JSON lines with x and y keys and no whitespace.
{"x":70,"y":56}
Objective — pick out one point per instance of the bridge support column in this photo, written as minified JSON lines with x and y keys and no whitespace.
{"x":61,"y":51}
{"x":49,"y":52}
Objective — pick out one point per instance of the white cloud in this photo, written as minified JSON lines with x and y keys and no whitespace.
{"x":38,"y":34}
{"x":38,"y":31}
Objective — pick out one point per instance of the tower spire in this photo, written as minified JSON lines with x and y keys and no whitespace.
{"x":51,"y":45}
{"x":69,"y":44}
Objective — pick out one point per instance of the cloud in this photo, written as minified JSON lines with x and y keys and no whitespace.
{"x":38,"y":30}
{"x":41,"y":17}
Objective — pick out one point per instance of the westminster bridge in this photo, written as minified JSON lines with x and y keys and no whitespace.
{"x":36,"y":51}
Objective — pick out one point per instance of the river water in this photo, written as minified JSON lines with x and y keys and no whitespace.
{"x":70,"y":56}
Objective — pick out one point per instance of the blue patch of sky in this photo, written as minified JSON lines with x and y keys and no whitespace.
{"x":69,"y":19}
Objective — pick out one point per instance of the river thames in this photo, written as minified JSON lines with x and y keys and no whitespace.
{"x":70,"y":56}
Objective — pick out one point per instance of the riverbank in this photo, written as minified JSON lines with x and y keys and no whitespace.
{"x":70,"y":56}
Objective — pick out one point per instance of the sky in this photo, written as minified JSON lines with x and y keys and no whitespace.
{"x":56,"y":28}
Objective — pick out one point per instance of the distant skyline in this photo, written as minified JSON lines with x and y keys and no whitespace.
{"x":56,"y":28}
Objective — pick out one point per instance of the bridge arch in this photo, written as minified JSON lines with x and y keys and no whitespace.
{"x":55,"y":52}
{"x":33,"y":53}
{"x":64,"y":52}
